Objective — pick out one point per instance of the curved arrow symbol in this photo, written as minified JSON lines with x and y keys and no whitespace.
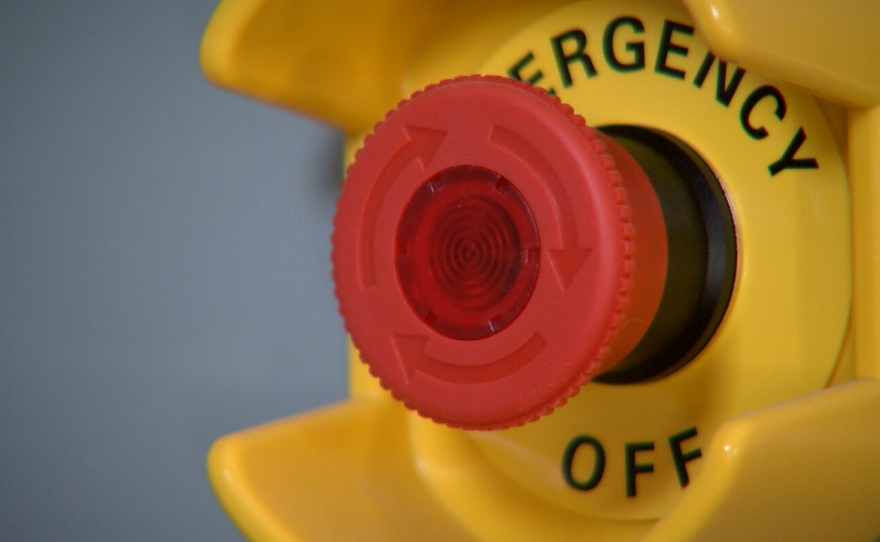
{"x":567,"y":260}
{"x":412,"y":358}
{"x":422,"y":145}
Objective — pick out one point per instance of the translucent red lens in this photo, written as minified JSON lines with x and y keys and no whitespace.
{"x":467,"y":253}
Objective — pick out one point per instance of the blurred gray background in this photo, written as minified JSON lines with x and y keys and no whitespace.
{"x":164,"y":273}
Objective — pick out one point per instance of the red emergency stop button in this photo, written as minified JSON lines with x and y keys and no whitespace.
{"x":492,"y":253}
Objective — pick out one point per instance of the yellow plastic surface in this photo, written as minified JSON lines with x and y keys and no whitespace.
{"x":321,"y":57}
{"x":342,"y":473}
{"x":348,"y":62}
{"x":293,"y":54}
{"x":864,"y":176}
{"x":828,"y":48}
{"x":802,"y":471}
{"x":788,"y":440}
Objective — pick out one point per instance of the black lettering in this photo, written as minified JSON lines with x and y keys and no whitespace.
{"x":680,"y":458}
{"x":633,"y":468}
{"x":725,"y":91}
{"x":637,"y":48}
{"x":704,"y":69}
{"x":667,"y":48}
{"x":515,"y":71}
{"x":788,"y":161}
{"x":563,"y":59}
{"x":598,"y":463}
{"x":766,"y":91}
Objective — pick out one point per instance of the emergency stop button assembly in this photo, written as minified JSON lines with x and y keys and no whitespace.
{"x":705,"y":254}
{"x":492,"y":253}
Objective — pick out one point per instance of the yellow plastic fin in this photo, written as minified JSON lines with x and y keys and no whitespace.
{"x":806,"y":470}
{"x":340,"y":473}
{"x":315,"y":56}
{"x":826,"y":47}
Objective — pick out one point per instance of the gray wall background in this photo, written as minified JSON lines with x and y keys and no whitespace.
{"x":164,"y":273}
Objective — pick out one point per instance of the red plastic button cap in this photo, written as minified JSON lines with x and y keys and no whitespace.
{"x":483,"y":252}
